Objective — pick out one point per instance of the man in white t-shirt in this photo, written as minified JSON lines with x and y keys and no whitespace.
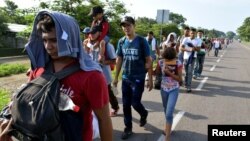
{"x":199,"y":61}
{"x":190,"y":45}
{"x":186,"y":34}
{"x":217,"y":45}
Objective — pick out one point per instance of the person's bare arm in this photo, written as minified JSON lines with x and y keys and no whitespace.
{"x":197,"y":48}
{"x":109,"y":62}
{"x":118,"y":69}
{"x":85,"y":47}
{"x":183,"y":48}
{"x":174,"y":76}
{"x":157,"y":51}
{"x":105,"y":124}
{"x":177,"y":47}
{"x":102,"y":51}
{"x":149,"y":68}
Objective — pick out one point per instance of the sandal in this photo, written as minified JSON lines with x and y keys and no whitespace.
{"x":114,"y":113}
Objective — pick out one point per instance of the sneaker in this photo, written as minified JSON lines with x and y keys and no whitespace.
{"x":143,"y":119}
{"x":127,"y":133}
{"x":189,"y":90}
{"x":195,"y":77}
{"x":114,"y":113}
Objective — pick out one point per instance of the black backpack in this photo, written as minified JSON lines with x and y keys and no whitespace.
{"x":35,"y":112}
{"x":157,"y":82}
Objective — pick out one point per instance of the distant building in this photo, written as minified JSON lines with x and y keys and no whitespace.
{"x":15,"y":28}
{"x":162,"y":16}
{"x":11,"y":39}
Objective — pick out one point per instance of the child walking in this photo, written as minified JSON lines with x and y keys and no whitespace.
{"x":171,"y":69}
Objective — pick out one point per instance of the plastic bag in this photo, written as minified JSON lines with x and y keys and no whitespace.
{"x":96,"y":133}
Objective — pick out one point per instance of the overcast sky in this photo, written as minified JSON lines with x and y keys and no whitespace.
{"x":223,"y":15}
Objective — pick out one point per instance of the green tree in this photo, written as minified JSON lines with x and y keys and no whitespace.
{"x":215,"y":34}
{"x":11,"y":7}
{"x":146,"y":20}
{"x":230,"y":34}
{"x":16,"y":15}
{"x":244,"y":30}
{"x":142,"y":28}
{"x":144,"y":25}
{"x":114,"y":10}
{"x":66,"y":6}
{"x":3,"y":26}
{"x":177,"y":18}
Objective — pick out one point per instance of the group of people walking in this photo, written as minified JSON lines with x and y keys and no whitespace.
{"x":90,"y":88}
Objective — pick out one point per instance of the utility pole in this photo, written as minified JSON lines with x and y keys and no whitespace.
{"x":162,"y":18}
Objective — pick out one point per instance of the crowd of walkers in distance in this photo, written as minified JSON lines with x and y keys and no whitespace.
{"x":135,"y":56}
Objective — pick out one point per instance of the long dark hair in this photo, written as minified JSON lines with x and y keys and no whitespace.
{"x":45,"y":24}
{"x":169,"y":53}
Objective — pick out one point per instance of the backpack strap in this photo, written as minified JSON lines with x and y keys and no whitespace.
{"x":121,"y":43}
{"x":142,"y":46}
{"x":67,"y":71}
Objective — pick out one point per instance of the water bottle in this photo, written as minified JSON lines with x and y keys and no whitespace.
{"x":66,"y":103}
{"x":89,"y":45}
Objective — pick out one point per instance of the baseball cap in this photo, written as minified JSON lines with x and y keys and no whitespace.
{"x":86,"y":30}
{"x":127,"y":20}
{"x":95,"y":29}
{"x":95,"y":10}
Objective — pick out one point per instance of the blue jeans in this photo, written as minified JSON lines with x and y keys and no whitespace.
{"x":169,"y":100}
{"x":131,"y":95}
{"x":199,"y":61}
{"x":189,"y":72}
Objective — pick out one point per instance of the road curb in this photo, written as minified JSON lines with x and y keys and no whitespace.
{"x":11,"y":57}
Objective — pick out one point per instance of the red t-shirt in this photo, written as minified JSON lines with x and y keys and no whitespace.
{"x":88,"y":90}
{"x":105,"y":28}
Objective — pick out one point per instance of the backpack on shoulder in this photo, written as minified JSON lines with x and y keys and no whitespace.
{"x":35,"y":111}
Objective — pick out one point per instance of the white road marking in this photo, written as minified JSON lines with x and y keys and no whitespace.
{"x":161,"y":138}
{"x":176,"y":119}
{"x":201,"y":84}
{"x":221,"y":55}
{"x":218,"y":61}
{"x":212,"y":69}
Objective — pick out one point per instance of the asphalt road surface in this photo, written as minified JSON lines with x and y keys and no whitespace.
{"x":220,"y":96}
